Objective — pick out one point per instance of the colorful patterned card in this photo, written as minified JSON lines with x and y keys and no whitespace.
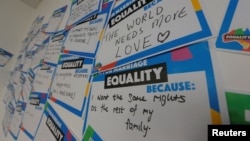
{"x":234,"y":34}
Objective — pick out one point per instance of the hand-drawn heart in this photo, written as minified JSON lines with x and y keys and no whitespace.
{"x":163,"y":36}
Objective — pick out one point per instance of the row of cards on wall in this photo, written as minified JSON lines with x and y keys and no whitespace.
{"x":122,"y":70}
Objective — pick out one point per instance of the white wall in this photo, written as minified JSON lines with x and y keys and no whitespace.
{"x":17,"y":17}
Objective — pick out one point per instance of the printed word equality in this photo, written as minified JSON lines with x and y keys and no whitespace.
{"x":72,"y":64}
{"x":128,"y":11}
{"x":140,"y":76}
{"x":55,"y":130}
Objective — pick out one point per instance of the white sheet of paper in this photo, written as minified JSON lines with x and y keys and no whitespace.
{"x":8,"y":115}
{"x":141,"y":29}
{"x":161,"y":96}
{"x":17,"y":119}
{"x":9,"y":94}
{"x":54,"y":48}
{"x":84,"y":37}
{"x":70,"y":83}
{"x":39,"y":55}
{"x":27,"y":62}
{"x":82,"y":9}
{"x":33,"y":113}
{"x":43,"y":79}
{"x":56,"y":19}
{"x":27,"y":87}
{"x":18,"y":89}
{"x":123,"y":121}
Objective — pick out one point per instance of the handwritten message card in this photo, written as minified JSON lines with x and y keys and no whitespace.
{"x":8,"y":94}
{"x":8,"y":115}
{"x":27,"y":61}
{"x":138,"y":29}
{"x":27,"y":86}
{"x":17,"y":119}
{"x":83,"y":39}
{"x":71,"y":82}
{"x":52,"y":128}
{"x":33,"y":113}
{"x":17,"y":89}
{"x":16,"y":85}
{"x":162,"y":96}
{"x":36,"y":25}
{"x":234,"y":34}
{"x":41,"y":36}
{"x":39,"y":54}
{"x":43,"y":78}
{"x":15,"y":75}
{"x":82,"y":9}
{"x":54,"y":48}
{"x":20,"y":59}
{"x":38,"y":39}
{"x":56,"y":19}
